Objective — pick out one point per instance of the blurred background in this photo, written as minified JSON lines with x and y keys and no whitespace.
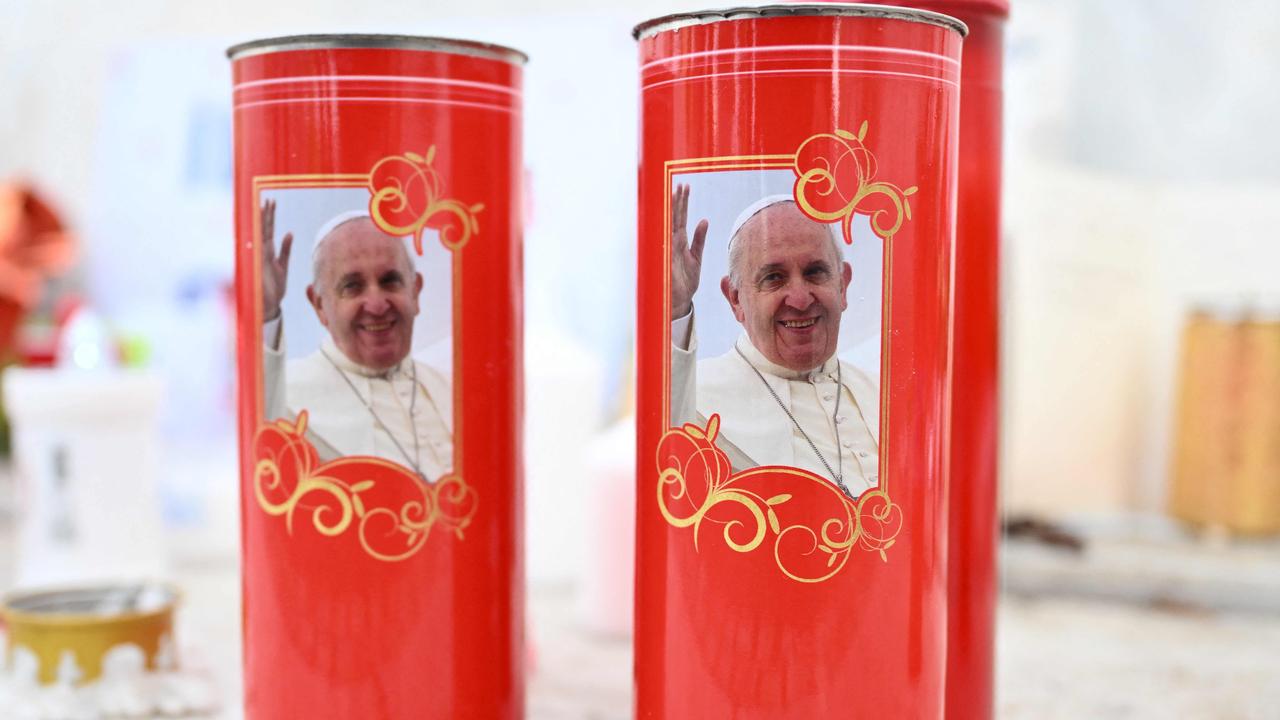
{"x":1140,"y":447}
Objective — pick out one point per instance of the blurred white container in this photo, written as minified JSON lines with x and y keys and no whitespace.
{"x":562,"y":411}
{"x":86,"y":454}
{"x":606,"y":597}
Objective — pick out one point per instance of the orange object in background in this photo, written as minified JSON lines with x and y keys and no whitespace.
{"x":34,"y":245}
{"x":1226,"y":461}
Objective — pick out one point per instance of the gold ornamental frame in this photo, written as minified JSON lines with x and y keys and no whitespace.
{"x":872,"y":521}
{"x":449,"y":501}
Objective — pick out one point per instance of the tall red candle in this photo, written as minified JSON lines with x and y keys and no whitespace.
{"x":378,"y":288}
{"x":794,"y":361}
{"x":974,"y":517}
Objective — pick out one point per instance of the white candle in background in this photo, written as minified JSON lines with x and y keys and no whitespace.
{"x":605,"y":598}
{"x":85,"y":452}
{"x":562,"y":411}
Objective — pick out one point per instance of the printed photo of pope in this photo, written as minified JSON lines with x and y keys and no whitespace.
{"x":363,"y":391}
{"x":783,"y":395}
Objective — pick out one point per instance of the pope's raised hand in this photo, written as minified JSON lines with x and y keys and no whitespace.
{"x":686,"y":255}
{"x":275,"y":267}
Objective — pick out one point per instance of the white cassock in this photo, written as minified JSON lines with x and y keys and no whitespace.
{"x":340,"y":421}
{"x":754,"y":428}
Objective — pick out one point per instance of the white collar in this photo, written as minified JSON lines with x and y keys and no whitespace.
{"x":347,"y":365}
{"x":764,"y":365}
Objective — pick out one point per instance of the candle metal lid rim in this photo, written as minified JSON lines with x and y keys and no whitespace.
{"x":336,"y":41}
{"x":676,"y":21}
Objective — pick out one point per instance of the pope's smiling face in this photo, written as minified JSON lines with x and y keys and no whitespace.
{"x":790,"y":288}
{"x":366,"y":293}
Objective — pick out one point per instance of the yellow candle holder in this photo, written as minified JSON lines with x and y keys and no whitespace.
{"x":86,"y":623}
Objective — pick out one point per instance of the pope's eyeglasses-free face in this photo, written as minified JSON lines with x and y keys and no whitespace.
{"x":791,"y":287}
{"x":366,"y":294}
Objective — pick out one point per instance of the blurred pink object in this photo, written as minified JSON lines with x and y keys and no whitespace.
{"x":34,"y":245}
{"x":607,"y":592}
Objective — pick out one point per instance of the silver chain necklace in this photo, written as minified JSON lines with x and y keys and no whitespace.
{"x":837,"y":476}
{"x":413,"y":418}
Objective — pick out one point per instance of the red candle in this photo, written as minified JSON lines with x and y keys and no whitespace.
{"x":797,"y":199}
{"x":379,"y":317}
{"x":974,"y":517}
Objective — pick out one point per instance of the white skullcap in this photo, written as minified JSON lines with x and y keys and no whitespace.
{"x":753,"y":209}
{"x":332,"y":225}
{"x":767,"y":202}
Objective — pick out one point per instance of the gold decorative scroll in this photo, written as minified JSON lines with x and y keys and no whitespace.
{"x":836,"y":180}
{"x":407,"y":199}
{"x":335,"y":497}
{"x":696,"y":488}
